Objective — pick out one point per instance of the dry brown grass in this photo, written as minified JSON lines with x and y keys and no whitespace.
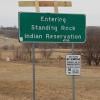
{"x":55,"y":53}
{"x":51,"y":83}
{"x":8,"y":41}
{"x":15,"y":81}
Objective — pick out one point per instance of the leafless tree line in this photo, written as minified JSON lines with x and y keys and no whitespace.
{"x":24,"y":52}
{"x":91,"y":49}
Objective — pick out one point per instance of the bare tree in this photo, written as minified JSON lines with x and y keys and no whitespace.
{"x":91,"y":49}
{"x":96,"y":51}
{"x":23,"y":52}
{"x":87,"y":52}
{"x":0,"y":55}
{"x":28,"y":51}
{"x":46,"y":51}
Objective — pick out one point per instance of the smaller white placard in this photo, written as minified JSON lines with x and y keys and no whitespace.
{"x":73,"y":64}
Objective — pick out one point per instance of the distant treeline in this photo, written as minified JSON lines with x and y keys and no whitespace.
{"x":10,"y":32}
{"x":90,"y":50}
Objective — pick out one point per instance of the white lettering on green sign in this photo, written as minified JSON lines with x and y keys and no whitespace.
{"x":53,"y":19}
{"x":54,"y":28}
{"x":44,"y":28}
{"x":65,"y":38}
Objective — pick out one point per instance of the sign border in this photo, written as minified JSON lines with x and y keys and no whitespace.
{"x":66,"y":67}
{"x":48,"y":41}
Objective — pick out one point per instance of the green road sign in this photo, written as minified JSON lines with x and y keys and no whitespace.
{"x":52,"y":28}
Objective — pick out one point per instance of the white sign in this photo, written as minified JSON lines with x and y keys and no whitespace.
{"x":73,"y":64}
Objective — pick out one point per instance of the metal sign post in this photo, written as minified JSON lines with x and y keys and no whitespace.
{"x":73,"y":78}
{"x":33,"y":63}
{"x":33,"y":49}
{"x":33,"y":52}
{"x":73,"y":65}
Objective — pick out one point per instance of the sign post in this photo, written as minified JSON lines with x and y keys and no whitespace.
{"x":33,"y":53}
{"x":38,"y":4}
{"x":73,"y":80}
{"x":52,"y":28}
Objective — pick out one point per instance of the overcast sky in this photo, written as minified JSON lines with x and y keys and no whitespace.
{"x":9,"y":11}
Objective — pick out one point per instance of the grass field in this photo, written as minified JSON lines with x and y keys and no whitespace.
{"x":51,"y":82}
